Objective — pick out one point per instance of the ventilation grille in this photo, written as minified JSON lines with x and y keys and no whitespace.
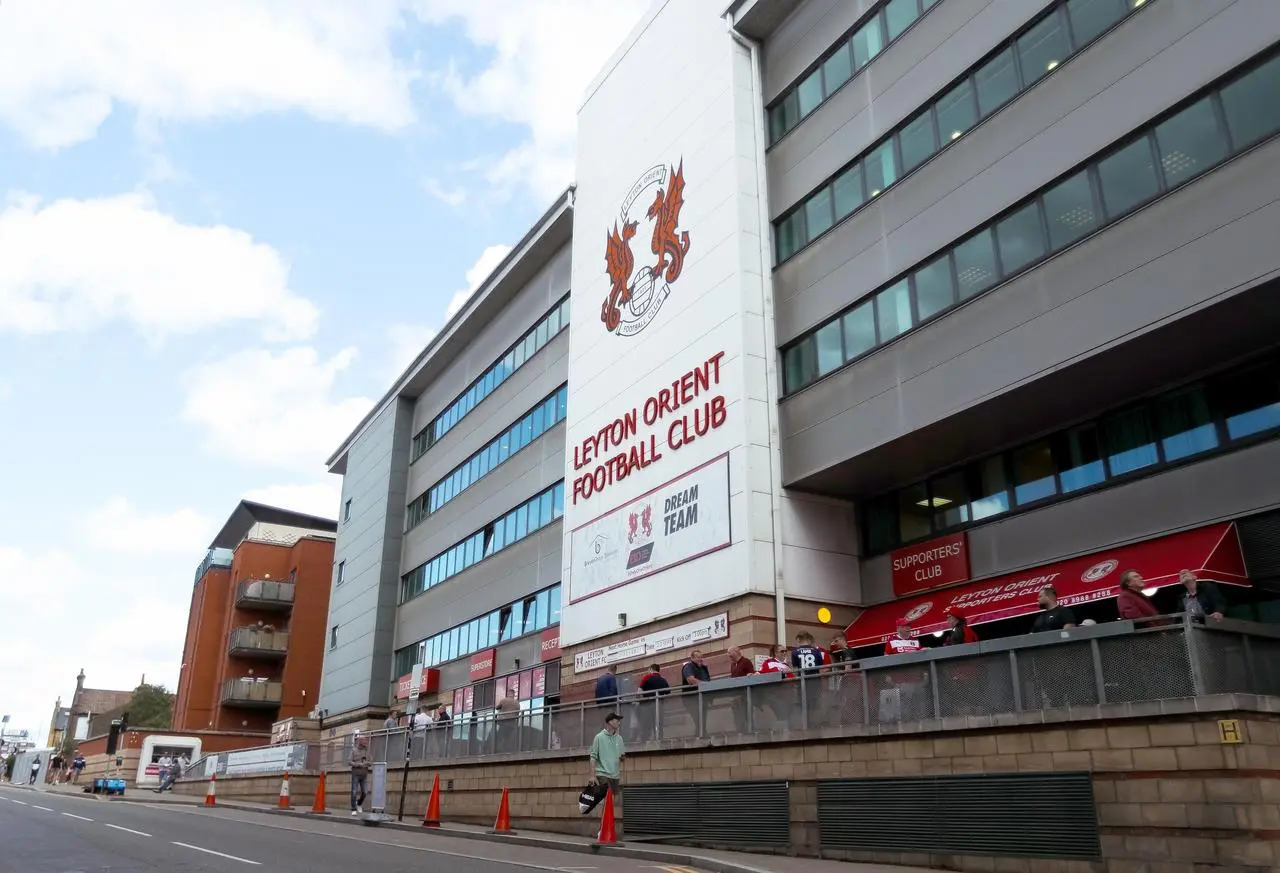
{"x":1260,"y":540}
{"x":1028,"y":815}
{"x":731,"y":813}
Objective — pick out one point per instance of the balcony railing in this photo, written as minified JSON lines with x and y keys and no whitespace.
{"x":253,"y":642}
{"x":213,"y":558}
{"x":265,"y":594}
{"x":1085,"y":667}
{"x":252,"y":694}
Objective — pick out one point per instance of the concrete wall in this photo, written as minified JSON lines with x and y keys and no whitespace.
{"x":362,"y":606}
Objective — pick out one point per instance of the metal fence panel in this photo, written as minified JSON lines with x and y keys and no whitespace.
{"x":1029,"y":815}
{"x":726,"y":813}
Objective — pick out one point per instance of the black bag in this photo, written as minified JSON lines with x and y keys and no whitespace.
{"x":589,"y":798}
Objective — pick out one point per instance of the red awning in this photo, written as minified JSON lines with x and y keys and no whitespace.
{"x":1211,"y":552}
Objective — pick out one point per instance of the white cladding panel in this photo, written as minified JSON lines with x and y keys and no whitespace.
{"x":668,"y":381}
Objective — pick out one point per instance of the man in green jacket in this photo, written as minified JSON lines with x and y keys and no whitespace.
{"x":607,"y":753}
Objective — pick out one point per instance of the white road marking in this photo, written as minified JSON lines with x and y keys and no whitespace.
{"x":219,"y":854}
{"x":21,"y":802}
{"x":45,"y":808}
{"x":73,"y":815}
{"x":126,"y":830}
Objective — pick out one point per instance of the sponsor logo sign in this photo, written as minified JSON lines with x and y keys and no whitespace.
{"x":701,"y":630}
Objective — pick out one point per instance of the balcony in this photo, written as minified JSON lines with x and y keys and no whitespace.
{"x":251,"y":694}
{"x":254,"y":642}
{"x":213,"y":558}
{"x":265,"y":595}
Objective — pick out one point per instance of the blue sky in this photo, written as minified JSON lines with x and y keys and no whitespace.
{"x":224,"y":229}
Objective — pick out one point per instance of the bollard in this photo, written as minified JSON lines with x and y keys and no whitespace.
{"x":211,"y":796}
{"x":317,"y":805}
{"x":432,"y":818}
{"x":284,"y":791}
{"x":503,"y":823}
{"x":608,"y":833}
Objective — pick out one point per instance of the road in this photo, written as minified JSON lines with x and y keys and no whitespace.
{"x":44,"y":832}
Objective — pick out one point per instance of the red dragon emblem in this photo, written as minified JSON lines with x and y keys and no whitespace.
{"x":646,"y":520}
{"x":668,"y":243}
{"x":631,"y":527}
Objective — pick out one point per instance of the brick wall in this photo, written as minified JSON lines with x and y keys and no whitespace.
{"x":1171,"y":796}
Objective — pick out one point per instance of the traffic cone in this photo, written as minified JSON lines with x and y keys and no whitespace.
{"x":211,"y":796}
{"x":317,"y":805}
{"x":608,"y":834}
{"x":284,"y":791}
{"x":503,"y":823}
{"x":432,"y":818}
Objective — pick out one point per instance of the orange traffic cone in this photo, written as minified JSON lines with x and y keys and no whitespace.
{"x":503,"y":823}
{"x":608,"y":834}
{"x":284,"y":791}
{"x":432,"y":818}
{"x":317,"y":805}
{"x":211,"y":796}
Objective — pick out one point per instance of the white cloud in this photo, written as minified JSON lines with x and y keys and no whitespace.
{"x":66,"y":64}
{"x":120,"y":527}
{"x":124,"y":620}
{"x":274,"y":409}
{"x":452,"y":195}
{"x":80,"y":264}
{"x":405,"y":343}
{"x":488,"y":261}
{"x":316,"y":498}
{"x":543,"y":57}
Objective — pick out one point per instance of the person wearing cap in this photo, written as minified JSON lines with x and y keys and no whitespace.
{"x":959,"y":633}
{"x":903,"y":641}
{"x":607,"y":752}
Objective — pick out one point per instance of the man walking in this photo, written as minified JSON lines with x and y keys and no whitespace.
{"x":359,"y":776}
{"x":607,"y":753}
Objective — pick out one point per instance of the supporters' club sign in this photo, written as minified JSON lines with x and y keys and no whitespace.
{"x":674,"y":523}
{"x":935,"y":564}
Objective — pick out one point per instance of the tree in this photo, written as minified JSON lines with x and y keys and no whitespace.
{"x":151,"y":707}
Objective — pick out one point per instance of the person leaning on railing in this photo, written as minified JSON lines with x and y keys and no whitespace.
{"x":1201,"y":598}
{"x":1135,"y":605}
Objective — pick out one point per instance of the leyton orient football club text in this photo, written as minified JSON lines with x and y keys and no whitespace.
{"x":617,"y":449}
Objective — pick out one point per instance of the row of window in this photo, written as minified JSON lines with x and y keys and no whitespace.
{"x":531,"y":425}
{"x":842,"y":62}
{"x":527,"y":518}
{"x":525,"y":348}
{"x":531,"y":614}
{"x":1203,"y":133}
{"x":1174,"y":427}
{"x":1061,"y":32}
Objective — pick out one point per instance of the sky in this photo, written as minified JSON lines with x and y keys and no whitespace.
{"x":225,"y":228}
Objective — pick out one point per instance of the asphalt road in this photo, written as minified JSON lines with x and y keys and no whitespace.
{"x":43,"y":832}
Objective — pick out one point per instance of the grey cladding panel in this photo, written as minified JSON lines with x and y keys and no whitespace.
{"x":734,"y":813}
{"x":1027,"y":815}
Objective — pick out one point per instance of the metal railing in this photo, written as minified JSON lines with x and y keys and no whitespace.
{"x":265,"y":594}
{"x":1116,"y":662}
{"x":251,"y":692}
{"x":213,"y":558}
{"x":258,"y":642}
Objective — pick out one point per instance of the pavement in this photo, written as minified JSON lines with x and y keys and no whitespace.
{"x":63,"y":830}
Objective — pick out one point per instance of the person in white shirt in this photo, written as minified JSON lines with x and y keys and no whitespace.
{"x":420,"y":720}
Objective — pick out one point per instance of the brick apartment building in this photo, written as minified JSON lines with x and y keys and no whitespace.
{"x":256,"y":631}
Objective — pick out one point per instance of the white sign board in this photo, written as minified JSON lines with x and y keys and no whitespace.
{"x":677,"y":522}
{"x":415,"y":687}
{"x":268,"y":760}
{"x":691,"y":633}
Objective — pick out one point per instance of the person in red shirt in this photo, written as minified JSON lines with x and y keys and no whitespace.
{"x":903,"y":641}
{"x":739,"y":665}
{"x":960,"y":632}
{"x":1133,"y":604}
{"x":776,"y":661}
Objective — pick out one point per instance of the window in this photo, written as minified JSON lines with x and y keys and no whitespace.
{"x":333,"y":637}
{"x":915,"y":511}
{"x":1129,"y":443}
{"x":1249,"y":400}
{"x":991,"y":496}
{"x":1252,"y":105}
{"x":342,"y":571}
{"x":1079,"y":458}
{"x":810,"y":92}
{"x":837,"y":69}
{"x":1190,"y":141}
{"x":830,"y":353}
{"x":817,"y":214}
{"x":547,"y":328}
{"x":346,"y":511}
{"x":859,"y":327}
{"x":949,"y":499}
{"x":1033,"y":473}
{"x":1019,"y":63}
{"x":1186,"y":427}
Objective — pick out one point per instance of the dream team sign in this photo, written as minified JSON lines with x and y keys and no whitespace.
{"x":684,"y":519}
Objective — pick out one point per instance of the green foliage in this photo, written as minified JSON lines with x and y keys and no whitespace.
{"x":151,"y":707}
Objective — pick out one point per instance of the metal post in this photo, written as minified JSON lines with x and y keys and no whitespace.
{"x":751,"y":713}
{"x":702,"y":713}
{"x":657,"y":716}
{"x":582,"y":721}
{"x":804,"y":704}
{"x":1193,"y":655}
{"x":404,"y":778}
{"x":1099,"y":677}
{"x":866,"y":696}
{"x":933,"y":686}
{"x":1016,"y":680}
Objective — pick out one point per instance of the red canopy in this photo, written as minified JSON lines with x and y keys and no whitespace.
{"x":1210,"y":552}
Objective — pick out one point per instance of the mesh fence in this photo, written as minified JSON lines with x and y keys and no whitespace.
{"x":1174,"y":661}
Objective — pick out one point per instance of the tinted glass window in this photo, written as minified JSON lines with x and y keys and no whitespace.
{"x":1190,"y":142}
{"x":1033,"y":473}
{"x":898,"y":16}
{"x":997,"y":82}
{"x":935,"y":290}
{"x":1042,"y":48}
{"x":1186,"y":427}
{"x":992,"y":491}
{"x":1089,"y":18}
{"x":1249,"y":401}
{"x":1070,"y":211}
{"x":817,"y":213}
{"x":800,"y":365}
{"x":1021,"y":238}
{"x":1129,"y":442}
{"x":867,"y":42}
{"x":917,"y":141}
{"x":837,"y":69}
{"x":810,"y":92}
{"x":789,"y":237}
{"x":949,"y":498}
{"x":859,"y":329}
{"x":1252,"y":105}
{"x":830,"y":353}
{"x":880,"y":169}
{"x":957,"y":111}
{"x":914,"y":513}
{"x":893,"y":310}
{"x":976,"y":264}
{"x":1128,"y":178}
{"x":882,"y":524}
{"x":848,"y":191}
